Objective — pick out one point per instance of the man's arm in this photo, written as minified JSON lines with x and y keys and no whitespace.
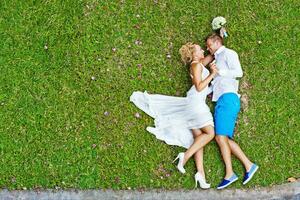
{"x":235,"y":69}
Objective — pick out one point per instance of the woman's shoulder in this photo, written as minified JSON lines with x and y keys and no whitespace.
{"x":196,"y":69}
{"x":196,"y":64}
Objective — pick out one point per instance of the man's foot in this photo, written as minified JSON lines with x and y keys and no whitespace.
{"x":249,"y":174}
{"x":227,"y":182}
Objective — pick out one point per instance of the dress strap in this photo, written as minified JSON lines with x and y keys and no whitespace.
{"x":197,"y":62}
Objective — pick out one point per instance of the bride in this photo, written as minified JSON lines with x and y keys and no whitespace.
{"x":184,"y":121}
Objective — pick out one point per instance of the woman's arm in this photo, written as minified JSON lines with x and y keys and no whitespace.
{"x":200,"y":84}
{"x":207,"y":59}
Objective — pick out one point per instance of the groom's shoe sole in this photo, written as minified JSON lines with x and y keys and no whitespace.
{"x":245,"y":182}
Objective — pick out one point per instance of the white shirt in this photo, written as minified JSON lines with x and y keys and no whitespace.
{"x":229,"y":67}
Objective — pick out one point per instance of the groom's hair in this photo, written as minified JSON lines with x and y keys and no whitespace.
{"x":214,"y":37}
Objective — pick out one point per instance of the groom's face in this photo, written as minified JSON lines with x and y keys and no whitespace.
{"x":211,"y":46}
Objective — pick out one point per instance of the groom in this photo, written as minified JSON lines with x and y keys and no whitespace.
{"x":225,"y":94}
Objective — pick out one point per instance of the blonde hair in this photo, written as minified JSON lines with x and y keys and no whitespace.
{"x":186,"y":52}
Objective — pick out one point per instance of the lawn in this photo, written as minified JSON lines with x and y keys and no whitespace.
{"x":69,"y":67}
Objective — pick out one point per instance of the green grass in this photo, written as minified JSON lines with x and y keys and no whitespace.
{"x":53,"y":131}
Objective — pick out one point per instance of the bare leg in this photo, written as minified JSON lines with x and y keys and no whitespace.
{"x":198,"y":156}
{"x":226,"y":154}
{"x":237,"y":151}
{"x":199,"y":142}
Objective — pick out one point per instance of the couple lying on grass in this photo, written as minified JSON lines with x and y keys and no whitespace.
{"x":188,"y":122}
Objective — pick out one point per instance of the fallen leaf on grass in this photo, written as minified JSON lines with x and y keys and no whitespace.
{"x":245,"y":102}
{"x":292,"y":179}
{"x":117,"y":179}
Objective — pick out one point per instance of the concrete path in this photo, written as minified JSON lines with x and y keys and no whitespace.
{"x":286,"y":191}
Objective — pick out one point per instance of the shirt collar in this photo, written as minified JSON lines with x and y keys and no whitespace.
{"x":222,"y":48}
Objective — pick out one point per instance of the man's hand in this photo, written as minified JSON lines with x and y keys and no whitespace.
{"x":213,"y":68}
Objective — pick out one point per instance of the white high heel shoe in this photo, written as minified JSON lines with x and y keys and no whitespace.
{"x":199,"y":178}
{"x":180,"y":162}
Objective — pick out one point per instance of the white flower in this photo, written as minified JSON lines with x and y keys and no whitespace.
{"x":137,"y":115}
{"x":218,"y":22}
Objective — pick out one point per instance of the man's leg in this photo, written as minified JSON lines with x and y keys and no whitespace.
{"x":226,"y":154}
{"x":237,"y":151}
{"x":225,"y":115}
{"x":250,"y":167}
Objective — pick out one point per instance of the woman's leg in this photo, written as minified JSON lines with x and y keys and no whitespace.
{"x":198,"y":156}
{"x":237,"y":151}
{"x":200,"y":141}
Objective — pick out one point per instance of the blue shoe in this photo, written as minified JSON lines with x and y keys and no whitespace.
{"x":250,"y":174}
{"x":226,"y":183}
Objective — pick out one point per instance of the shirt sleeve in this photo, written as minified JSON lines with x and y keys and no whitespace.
{"x":234,"y":66}
{"x":209,"y":90}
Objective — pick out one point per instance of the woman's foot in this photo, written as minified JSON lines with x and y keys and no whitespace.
{"x":180,"y":162}
{"x":201,"y":180}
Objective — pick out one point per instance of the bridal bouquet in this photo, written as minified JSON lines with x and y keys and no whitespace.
{"x":218,"y":24}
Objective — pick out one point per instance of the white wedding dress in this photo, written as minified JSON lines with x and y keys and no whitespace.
{"x":176,"y":116}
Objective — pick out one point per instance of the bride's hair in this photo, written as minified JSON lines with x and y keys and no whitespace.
{"x":186,"y":52}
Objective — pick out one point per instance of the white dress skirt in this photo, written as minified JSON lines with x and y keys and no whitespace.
{"x":174,"y":117}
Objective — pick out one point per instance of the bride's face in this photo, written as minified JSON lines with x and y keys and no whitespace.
{"x":198,"y":51}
